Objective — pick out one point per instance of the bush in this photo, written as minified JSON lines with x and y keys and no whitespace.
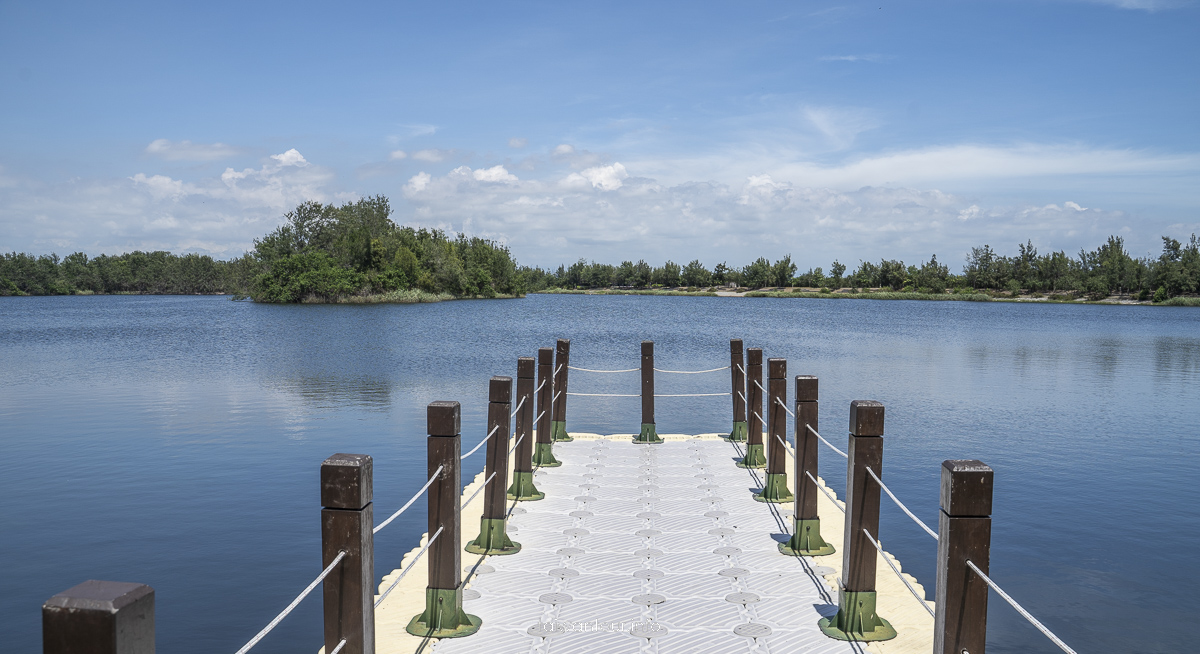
{"x":1160,"y":295}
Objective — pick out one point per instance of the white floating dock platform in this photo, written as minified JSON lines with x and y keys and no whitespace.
{"x":653,"y":549}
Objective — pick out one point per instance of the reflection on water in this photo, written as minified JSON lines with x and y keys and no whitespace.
{"x":178,"y":439}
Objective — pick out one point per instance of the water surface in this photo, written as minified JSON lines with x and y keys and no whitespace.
{"x":176,"y":441}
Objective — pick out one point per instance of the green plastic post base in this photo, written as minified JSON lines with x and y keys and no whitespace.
{"x":558,"y":431}
{"x":443,"y":617}
{"x":543,"y":455}
{"x":856,"y":619}
{"x":738,"y":435}
{"x":775,"y":490}
{"x":523,"y":489}
{"x":755,"y":457}
{"x":493,"y":539}
{"x":649,"y":434}
{"x":806,"y":539}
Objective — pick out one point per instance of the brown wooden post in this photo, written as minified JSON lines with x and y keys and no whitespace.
{"x":737,"y":371}
{"x":775,"y":489}
{"x":806,"y":533}
{"x":493,"y":526}
{"x":522,"y":486}
{"x":99,"y":617}
{"x":347,"y":524}
{"x":444,"y":616}
{"x":649,"y":430}
{"x":543,"y":451}
{"x":562,"y":364}
{"x":964,"y":534}
{"x":755,"y":457}
{"x":856,"y":618}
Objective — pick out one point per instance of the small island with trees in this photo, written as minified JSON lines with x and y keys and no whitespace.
{"x":355,"y":253}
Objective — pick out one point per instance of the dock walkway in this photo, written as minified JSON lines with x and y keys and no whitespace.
{"x":653,"y":549}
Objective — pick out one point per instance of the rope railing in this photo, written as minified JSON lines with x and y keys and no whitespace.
{"x":476,"y":448}
{"x":518,"y":409}
{"x":558,"y":369}
{"x":411,"y":565}
{"x":407,"y":504}
{"x":540,"y":387}
{"x":782,"y":404}
{"x":555,"y":398}
{"x":340,"y":645}
{"x":299,"y":598}
{"x":477,"y":491}
{"x":603,"y":371}
{"x":690,"y":394}
{"x":741,"y":369}
{"x":603,"y":395}
{"x":822,"y":489}
{"x":690,"y":372}
{"x":510,"y":450}
{"x":891,"y":565}
{"x":830,"y":445}
{"x":759,"y":386}
{"x":742,"y":396}
{"x":1020,"y":609}
{"x":900,"y":504}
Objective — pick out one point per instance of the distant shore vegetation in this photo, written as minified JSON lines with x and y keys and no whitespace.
{"x":353,"y":253}
{"x":1097,"y":275}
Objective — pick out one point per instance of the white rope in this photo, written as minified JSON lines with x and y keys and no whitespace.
{"x":558,"y":370}
{"x":781,"y":403}
{"x":409,"y":503}
{"x":693,"y":395}
{"x":604,"y":371}
{"x":690,"y":372}
{"x":741,"y":369}
{"x":279,"y":618}
{"x":1034,"y":621}
{"x":822,"y":489}
{"x":785,"y":448}
{"x":602,"y":395}
{"x":887,"y":559}
{"x":743,"y":397}
{"x":901,"y":504}
{"x":485,"y":439}
{"x":411,"y":565}
{"x":539,"y":416}
{"x":555,"y":398}
{"x":477,"y":491}
{"x":760,"y":418}
{"x":539,"y":388}
{"x":340,"y":645}
{"x":759,"y":386}
{"x":519,"y":405}
{"x":809,"y":427}
{"x":510,"y":450}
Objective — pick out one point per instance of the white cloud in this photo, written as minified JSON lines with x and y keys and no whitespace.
{"x":518,"y":142}
{"x":290,"y":158}
{"x":397,"y":155}
{"x":563,"y":150}
{"x":418,"y":183}
{"x":840,"y":126}
{"x":432,"y":155}
{"x":188,"y":151}
{"x":1144,"y":5}
{"x":605,"y":178}
{"x":494,"y":174}
{"x":852,"y":58}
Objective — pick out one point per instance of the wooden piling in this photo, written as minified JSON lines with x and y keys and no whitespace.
{"x":493,"y":524}
{"x":856,"y":618}
{"x":562,"y":364}
{"x":806,"y":537}
{"x":347,"y":523}
{"x":543,"y":450}
{"x":964,"y":534}
{"x":737,"y":373}
{"x":755,"y":456}
{"x":444,"y":616}
{"x":649,"y":432}
{"x":775,"y":488}
{"x":99,"y":617}
{"x":522,"y":487}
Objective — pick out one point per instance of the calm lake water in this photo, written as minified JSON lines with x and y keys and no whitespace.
{"x":176,"y":441}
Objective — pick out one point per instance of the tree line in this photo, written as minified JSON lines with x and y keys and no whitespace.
{"x":1107,"y":270}
{"x":322,"y":252}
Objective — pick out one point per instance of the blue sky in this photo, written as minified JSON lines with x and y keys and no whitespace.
{"x":718,"y":131}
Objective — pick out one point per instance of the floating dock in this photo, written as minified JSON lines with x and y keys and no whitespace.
{"x":650,"y":548}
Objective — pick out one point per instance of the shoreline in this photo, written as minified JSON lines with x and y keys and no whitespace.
{"x":846,"y":294}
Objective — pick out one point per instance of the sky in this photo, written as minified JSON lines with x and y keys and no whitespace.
{"x":718,"y":131}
